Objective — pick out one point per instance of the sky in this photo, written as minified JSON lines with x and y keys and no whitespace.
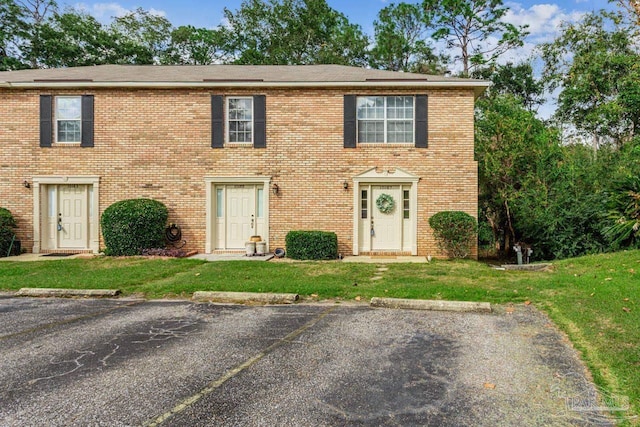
{"x":543,"y":18}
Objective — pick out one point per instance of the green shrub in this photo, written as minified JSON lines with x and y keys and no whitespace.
{"x":455,"y":232}
{"x":7,"y":224}
{"x":624,"y":214}
{"x":312,"y":245}
{"x":486,"y":241}
{"x":129,"y":226}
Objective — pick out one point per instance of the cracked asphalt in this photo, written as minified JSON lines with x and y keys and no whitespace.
{"x":90,"y":362}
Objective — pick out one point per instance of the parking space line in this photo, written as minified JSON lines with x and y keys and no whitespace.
{"x":67,"y":321}
{"x":215,"y":384}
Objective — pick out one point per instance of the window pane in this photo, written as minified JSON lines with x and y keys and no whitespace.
{"x":400,"y":131}
{"x":52,"y":201}
{"x":90,"y":191}
{"x":239,"y":119}
{"x":68,"y":118}
{"x":68,"y":108}
{"x":219,"y":203}
{"x":400,"y":107}
{"x":364,"y":203}
{"x":370,"y":131}
{"x":370,"y":107}
{"x":69,"y":131}
{"x":260,"y":208}
{"x":405,"y":204}
{"x":385,"y":119}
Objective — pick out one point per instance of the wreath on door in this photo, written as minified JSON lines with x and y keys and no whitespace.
{"x":385,"y":203}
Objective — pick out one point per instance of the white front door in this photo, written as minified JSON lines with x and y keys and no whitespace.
{"x":386,"y":227}
{"x":67,"y":219}
{"x":239,"y":214}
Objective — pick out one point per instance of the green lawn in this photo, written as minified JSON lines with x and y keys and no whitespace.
{"x":594,"y":299}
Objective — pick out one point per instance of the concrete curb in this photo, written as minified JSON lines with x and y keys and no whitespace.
{"x":437,"y":305}
{"x":242,"y":297}
{"x":53,"y":292}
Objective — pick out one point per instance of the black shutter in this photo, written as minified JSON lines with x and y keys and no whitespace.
{"x":421,"y":130}
{"x":46,"y":119}
{"x":217,"y":121}
{"x":259,"y":121}
{"x":349,"y":121}
{"x":87,"y":121}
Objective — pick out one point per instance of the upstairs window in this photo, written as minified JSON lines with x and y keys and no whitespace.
{"x":385,"y":119}
{"x":240,"y":119}
{"x":68,"y":118}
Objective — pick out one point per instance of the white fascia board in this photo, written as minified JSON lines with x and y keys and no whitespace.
{"x":240,"y":84}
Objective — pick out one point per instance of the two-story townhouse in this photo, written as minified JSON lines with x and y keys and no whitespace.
{"x":235,"y":151}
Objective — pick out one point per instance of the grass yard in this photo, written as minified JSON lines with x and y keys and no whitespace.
{"x":594,"y":299}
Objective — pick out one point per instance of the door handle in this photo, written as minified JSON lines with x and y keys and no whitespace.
{"x":59,"y":222}
{"x":252,"y":221}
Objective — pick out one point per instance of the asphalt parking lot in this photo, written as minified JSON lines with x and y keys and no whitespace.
{"x":118,"y":362}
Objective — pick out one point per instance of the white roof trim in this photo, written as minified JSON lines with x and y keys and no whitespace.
{"x":69,"y":84}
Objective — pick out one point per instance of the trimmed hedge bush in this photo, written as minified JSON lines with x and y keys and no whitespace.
{"x":7,"y":224}
{"x":6,"y":218}
{"x":312,"y":245}
{"x":130,"y":226}
{"x":455,"y":232}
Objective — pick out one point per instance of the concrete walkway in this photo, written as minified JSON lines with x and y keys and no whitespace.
{"x":231,"y":257}
{"x":385,"y":259}
{"x":43,"y":257}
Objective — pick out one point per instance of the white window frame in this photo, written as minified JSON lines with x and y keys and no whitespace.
{"x":228,"y":120}
{"x":385,"y":120}
{"x":58,"y":119}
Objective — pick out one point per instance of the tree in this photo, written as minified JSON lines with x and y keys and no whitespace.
{"x":632,"y":10}
{"x":513,"y":149}
{"x":196,"y":46}
{"x":400,"y":33}
{"x":73,"y":39}
{"x":36,"y":12}
{"x":147,"y":36}
{"x":293,"y":32}
{"x":13,"y":30}
{"x":594,"y":64}
{"x":474,"y":27}
{"x":517,"y":80}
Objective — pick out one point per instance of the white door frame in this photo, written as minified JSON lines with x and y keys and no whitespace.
{"x":386,"y":177}
{"x":210,"y":213}
{"x":40,"y":198}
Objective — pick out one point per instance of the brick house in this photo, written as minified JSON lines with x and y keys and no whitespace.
{"x":235,"y":151}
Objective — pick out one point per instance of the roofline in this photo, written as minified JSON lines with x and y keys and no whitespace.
{"x":478,"y":85}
